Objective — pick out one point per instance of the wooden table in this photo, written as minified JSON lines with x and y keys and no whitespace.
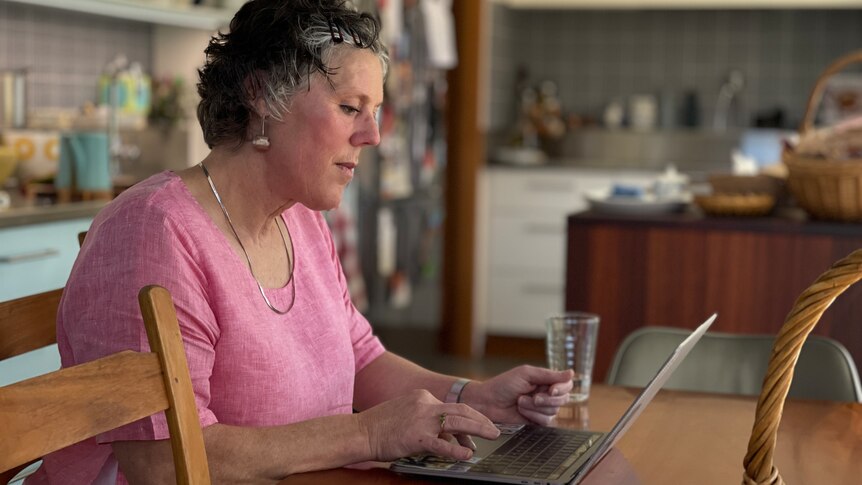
{"x":689,"y":438}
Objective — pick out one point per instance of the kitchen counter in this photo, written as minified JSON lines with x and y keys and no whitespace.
{"x":24,"y":213}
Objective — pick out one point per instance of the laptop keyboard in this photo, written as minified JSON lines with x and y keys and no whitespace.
{"x":536,"y":452}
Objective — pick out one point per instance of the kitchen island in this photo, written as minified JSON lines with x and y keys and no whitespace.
{"x":675,"y":270}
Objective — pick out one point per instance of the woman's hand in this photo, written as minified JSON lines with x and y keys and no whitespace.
{"x":412,"y":424}
{"x":525,"y":393}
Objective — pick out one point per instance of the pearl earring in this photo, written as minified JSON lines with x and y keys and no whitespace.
{"x":261,"y":141}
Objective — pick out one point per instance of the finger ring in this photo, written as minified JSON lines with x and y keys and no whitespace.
{"x":442,"y":422}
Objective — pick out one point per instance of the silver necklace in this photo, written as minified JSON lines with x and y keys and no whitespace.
{"x":283,"y":240}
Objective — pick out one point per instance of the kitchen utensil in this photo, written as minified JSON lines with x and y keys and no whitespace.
{"x":37,"y":152}
{"x":643,"y":112}
{"x":13,"y":83}
{"x":670,"y":184}
{"x":690,"y":110}
{"x":8,"y":162}
{"x":84,"y":166}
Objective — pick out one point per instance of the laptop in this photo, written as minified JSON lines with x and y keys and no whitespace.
{"x":537,"y":455}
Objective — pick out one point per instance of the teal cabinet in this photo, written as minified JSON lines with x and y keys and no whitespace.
{"x":38,"y":257}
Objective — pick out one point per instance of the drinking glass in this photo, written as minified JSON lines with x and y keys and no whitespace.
{"x":571,"y":344}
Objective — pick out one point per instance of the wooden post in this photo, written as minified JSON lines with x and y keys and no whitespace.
{"x":466,"y":156}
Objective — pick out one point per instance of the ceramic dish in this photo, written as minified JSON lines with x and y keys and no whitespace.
{"x":647,"y":204}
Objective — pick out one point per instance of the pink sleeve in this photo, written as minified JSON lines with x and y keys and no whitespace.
{"x":100,"y":314}
{"x":366,"y":346}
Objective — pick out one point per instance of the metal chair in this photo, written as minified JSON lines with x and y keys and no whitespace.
{"x":735,"y":364}
{"x":52,"y":411}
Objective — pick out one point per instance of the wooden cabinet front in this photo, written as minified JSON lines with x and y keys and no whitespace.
{"x":676,"y":271}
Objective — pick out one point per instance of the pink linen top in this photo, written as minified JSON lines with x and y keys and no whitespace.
{"x":249,"y":366}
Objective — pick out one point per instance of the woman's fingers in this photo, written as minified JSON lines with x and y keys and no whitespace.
{"x":543,"y":401}
{"x":461,"y":419}
{"x":561,"y":388}
{"x":441,"y":447}
{"x":549,"y":410}
{"x":466,"y":440}
{"x":536,"y":417}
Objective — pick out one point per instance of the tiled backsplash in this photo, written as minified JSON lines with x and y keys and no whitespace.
{"x":65,"y":52}
{"x":595,"y":56}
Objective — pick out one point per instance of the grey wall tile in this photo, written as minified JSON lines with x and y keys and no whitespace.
{"x":595,"y":56}
{"x":66,"y":52}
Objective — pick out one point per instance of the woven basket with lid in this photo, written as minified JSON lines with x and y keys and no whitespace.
{"x":806,"y":312}
{"x":826,"y":189}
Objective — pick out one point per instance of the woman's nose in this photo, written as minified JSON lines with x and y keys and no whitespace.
{"x":368,"y":133}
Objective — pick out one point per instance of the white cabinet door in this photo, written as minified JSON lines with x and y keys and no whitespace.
{"x":521,"y":262}
{"x":38,"y":257}
{"x":521,"y":190}
{"x":518,"y":304}
{"x":536,"y":242}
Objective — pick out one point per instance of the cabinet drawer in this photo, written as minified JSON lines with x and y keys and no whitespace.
{"x":545,"y":188}
{"x":519,"y":304}
{"x":528,"y":242}
{"x":39,"y":257}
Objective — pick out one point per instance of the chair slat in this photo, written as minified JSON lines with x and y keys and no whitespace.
{"x":49,"y":412}
{"x":28,"y":323}
{"x":163,"y":333}
{"x":92,"y":398}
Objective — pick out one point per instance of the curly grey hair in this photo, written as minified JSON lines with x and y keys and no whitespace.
{"x":273,"y":49}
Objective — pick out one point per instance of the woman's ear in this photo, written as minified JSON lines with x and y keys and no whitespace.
{"x":254,"y":88}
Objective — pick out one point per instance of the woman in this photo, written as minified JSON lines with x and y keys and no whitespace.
{"x":279,"y":357}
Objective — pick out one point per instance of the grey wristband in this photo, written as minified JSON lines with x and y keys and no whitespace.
{"x":454,"y":395}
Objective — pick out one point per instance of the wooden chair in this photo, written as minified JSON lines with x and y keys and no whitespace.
{"x":52,"y":411}
{"x":28,"y":323}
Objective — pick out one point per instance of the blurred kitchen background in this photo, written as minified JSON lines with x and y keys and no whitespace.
{"x":453,"y":238}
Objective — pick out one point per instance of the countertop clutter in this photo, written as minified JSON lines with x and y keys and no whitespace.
{"x":22,"y":212}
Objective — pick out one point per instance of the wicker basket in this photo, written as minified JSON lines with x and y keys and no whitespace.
{"x":826,"y":189}
{"x":736,"y":205}
{"x":806,"y":312}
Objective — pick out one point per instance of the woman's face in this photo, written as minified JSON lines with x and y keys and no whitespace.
{"x":316,"y":148}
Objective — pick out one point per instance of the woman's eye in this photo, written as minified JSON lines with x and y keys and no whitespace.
{"x":349,"y":109}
